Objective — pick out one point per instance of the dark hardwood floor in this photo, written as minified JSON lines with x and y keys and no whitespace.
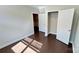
{"x":49,"y":45}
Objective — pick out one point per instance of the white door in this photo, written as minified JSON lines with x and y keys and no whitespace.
{"x":42,"y":22}
{"x":65,"y":18}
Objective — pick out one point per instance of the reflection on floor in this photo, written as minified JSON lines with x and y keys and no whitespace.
{"x":18,"y":47}
{"x":27,"y":45}
{"x":38,"y":43}
{"x":29,"y":50}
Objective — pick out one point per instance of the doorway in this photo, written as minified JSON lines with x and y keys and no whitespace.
{"x":36,"y":23}
{"x":52,"y":22}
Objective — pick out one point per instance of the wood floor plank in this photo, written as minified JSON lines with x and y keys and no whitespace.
{"x":49,"y":44}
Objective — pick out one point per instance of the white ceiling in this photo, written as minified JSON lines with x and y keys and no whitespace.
{"x":39,"y":6}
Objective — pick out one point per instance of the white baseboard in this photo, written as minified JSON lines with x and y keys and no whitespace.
{"x":71,"y":42}
{"x":4,"y":44}
{"x":52,"y":33}
{"x":46,"y":34}
{"x":42,"y":29}
{"x":73,"y":48}
{"x":49,"y":33}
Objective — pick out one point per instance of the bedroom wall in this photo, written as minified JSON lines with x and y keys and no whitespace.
{"x":16,"y":23}
{"x":76,"y":40}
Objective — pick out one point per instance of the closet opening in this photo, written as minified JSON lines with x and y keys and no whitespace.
{"x":52,"y":23}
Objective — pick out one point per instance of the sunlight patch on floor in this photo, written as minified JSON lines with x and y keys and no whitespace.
{"x":29,"y":50}
{"x":19,"y":47}
{"x":27,"y":46}
{"x":37,"y":50}
{"x":37,"y":44}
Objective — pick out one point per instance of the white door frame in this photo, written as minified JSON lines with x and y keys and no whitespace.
{"x":46,"y":15}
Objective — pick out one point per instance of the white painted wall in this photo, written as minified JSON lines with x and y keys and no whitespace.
{"x":16,"y":23}
{"x":52,"y":22}
{"x":76,"y":41}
